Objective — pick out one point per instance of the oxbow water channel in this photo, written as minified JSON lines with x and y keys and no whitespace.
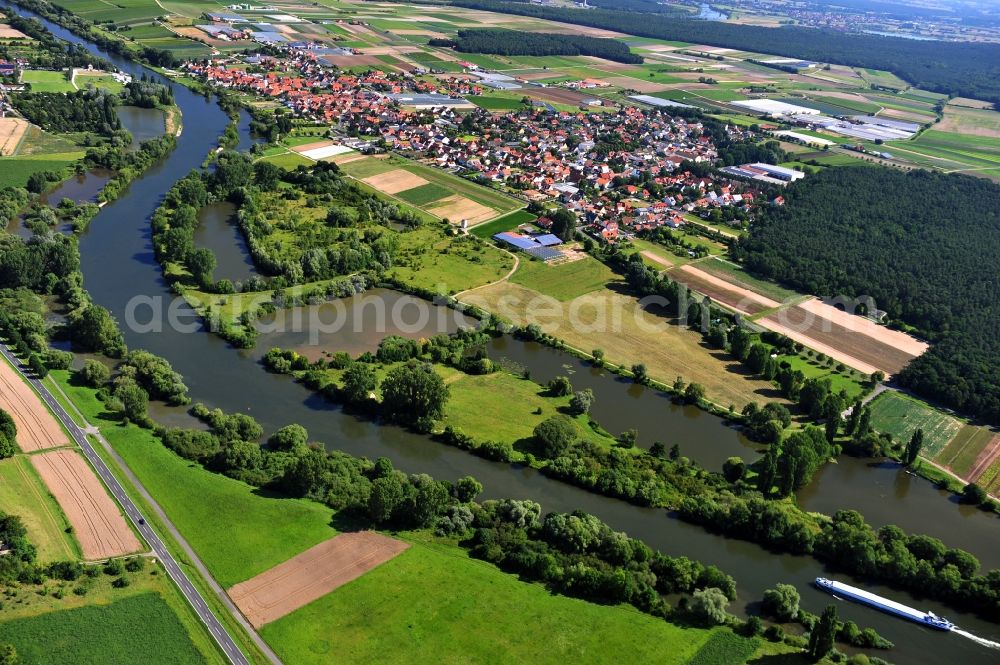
{"x":118,"y":264}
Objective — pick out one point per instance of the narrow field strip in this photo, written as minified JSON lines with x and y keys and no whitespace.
{"x":97,"y":523}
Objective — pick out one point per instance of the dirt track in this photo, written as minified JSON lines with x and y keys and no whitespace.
{"x":36,"y":428}
{"x":732,"y":296}
{"x":312,"y":574}
{"x":97,"y":524}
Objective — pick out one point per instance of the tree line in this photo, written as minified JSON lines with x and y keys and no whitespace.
{"x":920,"y":244}
{"x":955,"y":68}
{"x":517,"y":42}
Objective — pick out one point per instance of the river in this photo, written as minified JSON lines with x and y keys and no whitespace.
{"x":118,"y":265}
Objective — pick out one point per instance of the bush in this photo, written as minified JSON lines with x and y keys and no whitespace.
{"x":709,"y":606}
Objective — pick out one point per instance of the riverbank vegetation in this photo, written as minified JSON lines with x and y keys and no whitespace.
{"x":314,"y":235}
{"x":738,"y":504}
{"x":508,"y":533}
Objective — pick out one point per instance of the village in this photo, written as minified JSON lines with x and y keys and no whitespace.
{"x":621,"y":171}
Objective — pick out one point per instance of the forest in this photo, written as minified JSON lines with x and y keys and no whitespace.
{"x":515,"y":42}
{"x":963,"y":69}
{"x":923,"y":245}
{"x":79,"y":111}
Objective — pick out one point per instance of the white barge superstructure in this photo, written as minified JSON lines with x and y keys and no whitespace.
{"x":849,"y":592}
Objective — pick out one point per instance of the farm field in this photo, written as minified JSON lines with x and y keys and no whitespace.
{"x":900,"y":415}
{"x":852,"y":340}
{"x":394,"y":176}
{"x":563,"y":281}
{"x":12,"y":130}
{"x":15,"y":171}
{"x":96,"y":519}
{"x":734,"y":297}
{"x":508,"y":222}
{"x":641,"y":336}
{"x":46,"y":81}
{"x":37,"y":428}
{"x":123,"y":632}
{"x":23,"y":494}
{"x":237,"y":530}
{"x":312,"y":574}
{"x":437,"y":613}
{"x":970,"y":452}
{"x":737,"y":276}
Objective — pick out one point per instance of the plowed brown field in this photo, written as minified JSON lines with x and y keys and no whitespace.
{"x":97,"y":523}
{"x":312,"y":574}
{"x":37,"y":429}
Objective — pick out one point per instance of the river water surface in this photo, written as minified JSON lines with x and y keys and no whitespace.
{"x":118,"y":265}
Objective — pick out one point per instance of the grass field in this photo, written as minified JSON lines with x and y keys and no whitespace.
{"x":22,"y":493}
{"x":424,"y":194}
{"x":237,"y":530}
{"x":434,"y":261}
{"x":838,"y":380}
{"x":900,"y":415}
{"x":434,"y":604}
{"x":640,"y":336}
{"x":287,"y":160}
{"x":961,"y":453}
{"x":475,"y":410}
{"x":46,"y":81}
{"x":563,"y":281}
{"x":124,"y":632}
{"x":15,"y":171}
{"x":506,"y":223}
{"x":725,"y":647}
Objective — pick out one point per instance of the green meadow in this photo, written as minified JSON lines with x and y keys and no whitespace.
{"x":433,"y":603}
{"x":237,"y":530}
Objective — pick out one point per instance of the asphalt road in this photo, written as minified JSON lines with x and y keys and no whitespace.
{"x":229,"y":648}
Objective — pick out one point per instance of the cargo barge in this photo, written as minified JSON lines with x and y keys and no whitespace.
{"x":849,"y":592}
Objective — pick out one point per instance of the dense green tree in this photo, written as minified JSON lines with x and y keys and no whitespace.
{"x":554,"y":435}
{"x":413,"y":394}
{"x":709,"y":606}
{"x":733,"y":469}
{"x":7,"y":425}
{"x":289,"y":438}
{"x":782,"y":603}
{"x":581,"y":401}
{"x":913,"y":447}
{"x":560,"y":386}
{"x":359,"y":382}
{"x":516,"y":42}
{"x":821,"y":638}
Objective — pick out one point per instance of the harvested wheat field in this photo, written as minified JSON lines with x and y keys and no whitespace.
{"x":641,"y":336}
{"x":312,"y":574}
{"x":852,"y":340}
{"x":11,"y":131}
{"x":97,"y":523}
{"x":397,"y":180}
{"x":37,"y":429}
{"x":7,"y":32}
{"x":457,"y":208}
{"x":742,"y":300}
